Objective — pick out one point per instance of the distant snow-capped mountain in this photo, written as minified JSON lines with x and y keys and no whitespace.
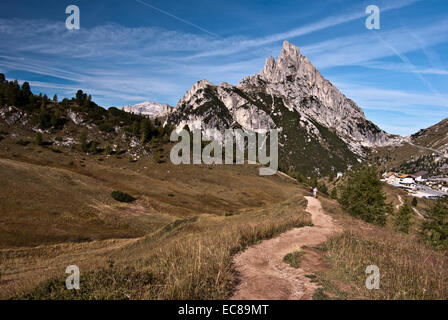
{"x":150,"y":109}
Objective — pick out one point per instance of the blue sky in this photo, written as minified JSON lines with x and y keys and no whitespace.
{"x":129,"y":51}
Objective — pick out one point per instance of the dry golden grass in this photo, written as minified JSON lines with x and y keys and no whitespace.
{"x":185,"y":226}
{"x":190,"y":259}
{"x":52,"y":197}
{"x":199,"y":266}
{"x":41,"y":204}
{"x":409,"y":269}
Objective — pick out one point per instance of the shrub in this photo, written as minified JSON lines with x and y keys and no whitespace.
{"x":294,"y":258}
{"x":299,"y":177}
{"x":106,"y":127}
{"x":93,"y":146}
{"x":334,"y":194}
{"x":44,"y":117}
{"x":312,"y":182}
{"x":319,"y":294}
{"x":414,"y":202}
{"x":55,"y":150}
{"x":122,"y":196}
{"x":158,"y":158}
{"x":323,"y":188}
{"x":22,"y":142}
{"x":38,"y":139}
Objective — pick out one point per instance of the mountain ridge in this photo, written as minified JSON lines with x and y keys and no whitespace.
{"x":292,"y":96}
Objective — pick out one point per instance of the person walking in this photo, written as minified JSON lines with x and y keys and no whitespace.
{"x":315,"y":192}
{"x":310,"y":190}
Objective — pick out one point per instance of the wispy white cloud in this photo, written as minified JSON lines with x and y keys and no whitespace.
{"x":238,"y":45}
{"x":363,"y":47}
{"x":397,"y":111}
{"x":178,"y":18}
{"x":370,"y":97}
{"x":118,"y":63}
{"x":70,"y":89}
{"x":31,"y":65}
{"x":402,"y":67}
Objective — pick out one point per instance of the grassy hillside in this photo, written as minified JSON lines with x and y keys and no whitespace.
{"x":41,"y":204}
{"x":57,"y":210}
{"x":435,"y":137}
{"x":423,"y":152}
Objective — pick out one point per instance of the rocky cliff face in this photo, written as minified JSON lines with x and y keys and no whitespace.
{"x":320,"y":128}
{"x":206,"y":105}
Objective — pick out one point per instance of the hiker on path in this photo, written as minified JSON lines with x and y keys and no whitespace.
{"x":310,"y":190}
{"x":315,"y":192}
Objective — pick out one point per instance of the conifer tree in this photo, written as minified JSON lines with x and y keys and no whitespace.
{"x":402,"y":219}
{"x":362,"y":196}
{"x":435,"y":228}
{"x":83,"y":141}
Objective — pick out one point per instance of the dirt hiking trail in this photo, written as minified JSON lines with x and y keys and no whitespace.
{"x":263,"y":275}
{"x":401,"y":202}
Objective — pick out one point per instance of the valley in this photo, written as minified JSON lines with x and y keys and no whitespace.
{"x":96,"y":188}
{"x":179,"y":239}
{"x":56,"y":213}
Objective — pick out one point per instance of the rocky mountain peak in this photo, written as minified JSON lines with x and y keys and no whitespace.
{"x":196,"y":93}
{"x":295,"y":80}
{"x":290,"y":63}
{"x":289,"y":49}
{"x":289,"y":94}
{"x":269,"y":66}
{"x":290,"y":56}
